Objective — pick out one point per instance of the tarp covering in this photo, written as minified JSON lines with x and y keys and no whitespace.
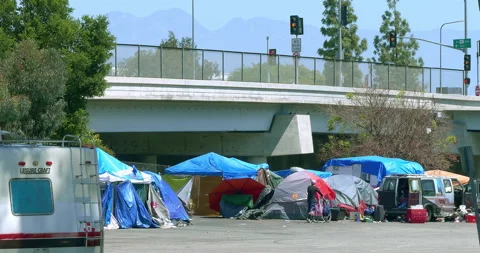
{"x":111,"y":169}
{"x":130,"y":211}
{"x":289,"y":200}
{"x":212,"y":164}
{"x":169,"y":197}
{"x":269,"y":178}
{"x":462,"y":179}
{"x":352,"y":190}
{"x":107,"y":203}
{"x":378,"y":166}
{"x":185,"y":193}
{"x":321,"y":174}
{"x":158,"y":211}
{"x":176,"y":182}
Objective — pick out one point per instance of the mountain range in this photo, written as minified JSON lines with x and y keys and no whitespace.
{"x":250,"y":36}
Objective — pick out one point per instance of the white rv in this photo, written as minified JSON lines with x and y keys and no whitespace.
{"x":50,"y":198}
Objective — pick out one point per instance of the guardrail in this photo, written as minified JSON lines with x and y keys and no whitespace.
{"x":203,"y":64}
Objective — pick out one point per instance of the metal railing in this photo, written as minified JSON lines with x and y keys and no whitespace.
{"x":203,"y":64}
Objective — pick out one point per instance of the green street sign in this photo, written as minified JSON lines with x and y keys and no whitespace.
{"x":462,"y":43}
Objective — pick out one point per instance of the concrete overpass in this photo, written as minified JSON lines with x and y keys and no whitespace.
{"x":148,"y":116}
{"x":145,"y":114}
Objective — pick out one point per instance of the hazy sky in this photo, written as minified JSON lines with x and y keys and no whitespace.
{"x":213,"y":14}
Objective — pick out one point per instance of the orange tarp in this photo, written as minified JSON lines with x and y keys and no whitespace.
{"x":462,"y":179}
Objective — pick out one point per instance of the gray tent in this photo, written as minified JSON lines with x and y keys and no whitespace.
{"x":351,"y":190}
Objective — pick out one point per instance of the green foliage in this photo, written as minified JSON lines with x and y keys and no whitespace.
{"x":353,"y":47}
{"x":270,"y":72}
{"x":7,"y":26}
{"x":175,"y":59}
{"x":12,"y":108}
{"x":390,"y":126}
{"x":404,"y":54}
{"x":38,"y":75}
{"x":84,"y":46}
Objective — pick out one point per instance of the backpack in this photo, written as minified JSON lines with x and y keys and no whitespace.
{"x":326,"y":208}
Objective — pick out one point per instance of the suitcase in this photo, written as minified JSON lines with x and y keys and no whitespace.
{"x":416,"y":215}
{"x":379,"y":214}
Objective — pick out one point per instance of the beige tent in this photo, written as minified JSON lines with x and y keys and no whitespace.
{"x":462,"y":179}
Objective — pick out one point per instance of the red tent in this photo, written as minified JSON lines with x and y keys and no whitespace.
{"x":234,"y":186}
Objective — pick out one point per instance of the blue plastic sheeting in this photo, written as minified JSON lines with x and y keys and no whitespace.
{"x":320,"y":174}
{"x":378,"y":166}
{"x":212,"y":164}
{"x":111,"y":165}
{"x":169,"y":197}
{"x":129,"y":208}
{"x":107,"y":203}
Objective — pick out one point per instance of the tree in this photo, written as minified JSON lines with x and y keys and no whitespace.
{"x":12,"y":108}
{"x":84,"y":44}
{"x":7,"y":24}
{"x":390,"y":126}
{"x":353,"y":47}
{"x":286,"y":72}
{"x":38,"y":77}
{"x":174,"y":58}
{"x":396,"y":76}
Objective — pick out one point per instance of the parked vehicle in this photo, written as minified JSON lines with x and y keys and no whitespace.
{"x":50,"y":197}
{"x":440,"y":196}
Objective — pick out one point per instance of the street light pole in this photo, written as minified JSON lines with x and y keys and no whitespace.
{"x":466,"y":34}
{"x":193,"y":39}
{"x":340,"y":49}
{"x":441,"y":27}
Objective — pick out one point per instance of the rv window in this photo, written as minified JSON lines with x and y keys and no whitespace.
{"x":428,"y":187}
{"x":448,"y":186}
{"x":31,"y":196}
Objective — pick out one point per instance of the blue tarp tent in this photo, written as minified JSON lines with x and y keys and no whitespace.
{"x":212,"y":164}
{"x":320,"y":174}
{"x":378,"y":166}
{"x":169,"y":197}
{"x":130,"y":210}
{"x":111,"y":169}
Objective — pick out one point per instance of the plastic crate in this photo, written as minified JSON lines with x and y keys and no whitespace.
{"x":470,"y":218}
{"x":416,"y":215}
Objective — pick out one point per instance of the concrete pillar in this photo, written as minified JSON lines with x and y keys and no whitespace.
{"x":256,"y":159}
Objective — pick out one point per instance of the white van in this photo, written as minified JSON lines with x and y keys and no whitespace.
{"x":440,"y":196}
{"x":49,"y":197}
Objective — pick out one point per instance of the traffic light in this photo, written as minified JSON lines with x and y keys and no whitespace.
{"x":466,"y":62}
{"x":344,"y":21}
{"x":296,"y":25}
{"x":466,"y":81}
{"x":393,"y":39}
{"x":272,"y":53}
{"x":300,"y":26}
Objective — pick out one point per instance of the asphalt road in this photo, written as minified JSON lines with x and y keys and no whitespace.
{"x":224,"y":235}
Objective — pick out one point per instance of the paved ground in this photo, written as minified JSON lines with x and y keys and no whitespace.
{"x":223,"y":235}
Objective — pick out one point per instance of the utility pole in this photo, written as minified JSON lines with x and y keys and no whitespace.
{"x":340,"y":48}
{"x":194,"y":53}
{"x":466,"y":36}
{"x":268,"y":62}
